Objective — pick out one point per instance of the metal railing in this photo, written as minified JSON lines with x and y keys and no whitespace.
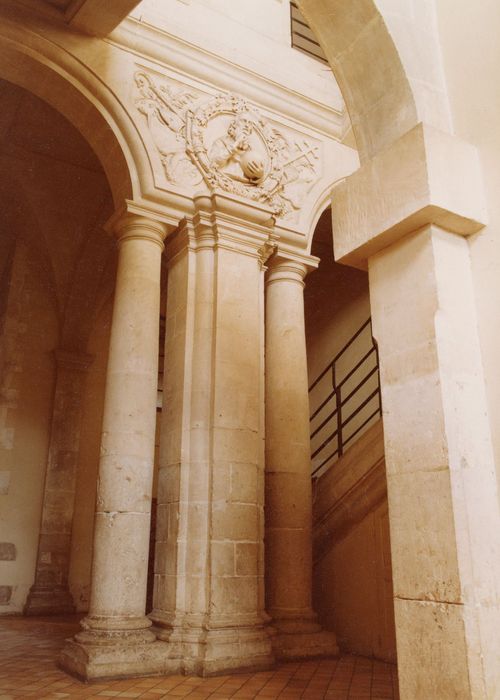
{"x":347,"y":394}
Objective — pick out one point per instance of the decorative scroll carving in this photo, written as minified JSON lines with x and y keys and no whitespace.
{"x":165,"y":111}
{"x":227,"y":143}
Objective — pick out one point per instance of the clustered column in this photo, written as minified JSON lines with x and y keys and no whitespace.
{"x":288,"y":467}
{"x":116,"y":638}
{"x":208,"y":600}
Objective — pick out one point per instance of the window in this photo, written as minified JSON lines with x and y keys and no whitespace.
{"x":302,"y":37}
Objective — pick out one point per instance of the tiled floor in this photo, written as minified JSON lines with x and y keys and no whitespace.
{"x":29,"y":648}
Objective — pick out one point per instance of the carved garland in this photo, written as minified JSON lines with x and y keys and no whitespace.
{"x":265,"y":188}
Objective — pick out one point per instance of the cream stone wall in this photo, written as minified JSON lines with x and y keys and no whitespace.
{"x":68,"y":193}
{"x":398,"y":64}
{"x":468,"y":35}
{"x":255,"y":36}
{"x":30,"y":333}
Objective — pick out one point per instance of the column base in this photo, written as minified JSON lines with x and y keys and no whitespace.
{"x":49,"y":601}
{"x":110,"y":647}
{"x":302,"y":639}
{"x":207,"y":651}
{"x":89,"y":663}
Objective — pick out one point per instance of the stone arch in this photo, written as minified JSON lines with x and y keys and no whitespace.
{"x":321,"y":205}
{"x":387,"y":62}
{"x":40,"y":67}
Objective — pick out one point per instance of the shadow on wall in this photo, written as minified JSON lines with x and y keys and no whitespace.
{"x":352,"y":577}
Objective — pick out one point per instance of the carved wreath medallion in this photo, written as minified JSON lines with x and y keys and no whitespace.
{"x":236,"y":150}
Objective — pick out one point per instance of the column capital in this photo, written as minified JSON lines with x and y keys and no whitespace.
{"x":138,"y":221}
{"x":231,"y":208}
{"x":291,"y":267}
{"x":234,"y":223}
{"x":225,"y":222}
{"x":180,"y":241}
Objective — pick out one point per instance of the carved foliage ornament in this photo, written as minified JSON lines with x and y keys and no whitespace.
{"x":227,"y":143}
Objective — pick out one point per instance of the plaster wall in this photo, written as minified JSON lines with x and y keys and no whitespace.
{"x":471,"y":56}
{"x":30,"y":331}
{"x":352,"y":575}
{"x":336,"y":305}
{"x":353,"y":588}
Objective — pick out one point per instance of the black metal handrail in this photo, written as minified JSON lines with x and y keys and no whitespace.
{"x":337,"y":411}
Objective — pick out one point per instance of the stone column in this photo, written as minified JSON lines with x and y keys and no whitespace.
{"x":209,"y":601}
{"x":288,"y":467}
{"x":442,"y":490}
{"x":116,"y":639}
{"x":50,"y":594}
{"x":405,"y":214}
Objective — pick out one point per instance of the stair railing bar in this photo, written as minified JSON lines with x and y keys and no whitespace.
{"x":360,"y":408}
{"x":322,"y":425}
{"x":340,"y":353}
{"x":318,"y":468}
{"x":324,"y":444}
{"x":357,"y":366}
{"x":359,"y":428}
{"x":375,"y":345}
{"x":322,"y":405}
{"x":340,"y":401}
{"x":358,"y":386}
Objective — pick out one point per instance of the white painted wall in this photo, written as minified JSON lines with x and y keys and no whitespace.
{"x":252,"y":34}
{"x":468,"y":34}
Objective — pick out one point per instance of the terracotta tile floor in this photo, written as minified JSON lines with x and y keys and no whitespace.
{"x":29,"y":648}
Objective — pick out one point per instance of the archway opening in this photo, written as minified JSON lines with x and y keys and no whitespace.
{"x":56,"y":277}
{"x":352,"y":578}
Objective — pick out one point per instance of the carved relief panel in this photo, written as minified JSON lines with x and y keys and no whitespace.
{"x":225,"y":142}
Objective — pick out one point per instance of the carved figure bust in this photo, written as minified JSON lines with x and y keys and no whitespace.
{"x":235,"y":154}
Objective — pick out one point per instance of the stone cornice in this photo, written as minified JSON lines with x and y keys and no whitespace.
{"x":168,"y":220}
{"x":222,"y":221}
{"x":189,"y":61}
{"x":92,"y":17}
{"x":235,"y":223}
{"x":425,"y":178}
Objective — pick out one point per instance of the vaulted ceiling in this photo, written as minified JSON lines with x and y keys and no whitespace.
{"x":55,"y":196}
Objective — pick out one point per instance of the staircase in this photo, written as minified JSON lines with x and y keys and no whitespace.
{"x":352,"y":578}
{"x":345,"y":398}
{"x":352,"y":574}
